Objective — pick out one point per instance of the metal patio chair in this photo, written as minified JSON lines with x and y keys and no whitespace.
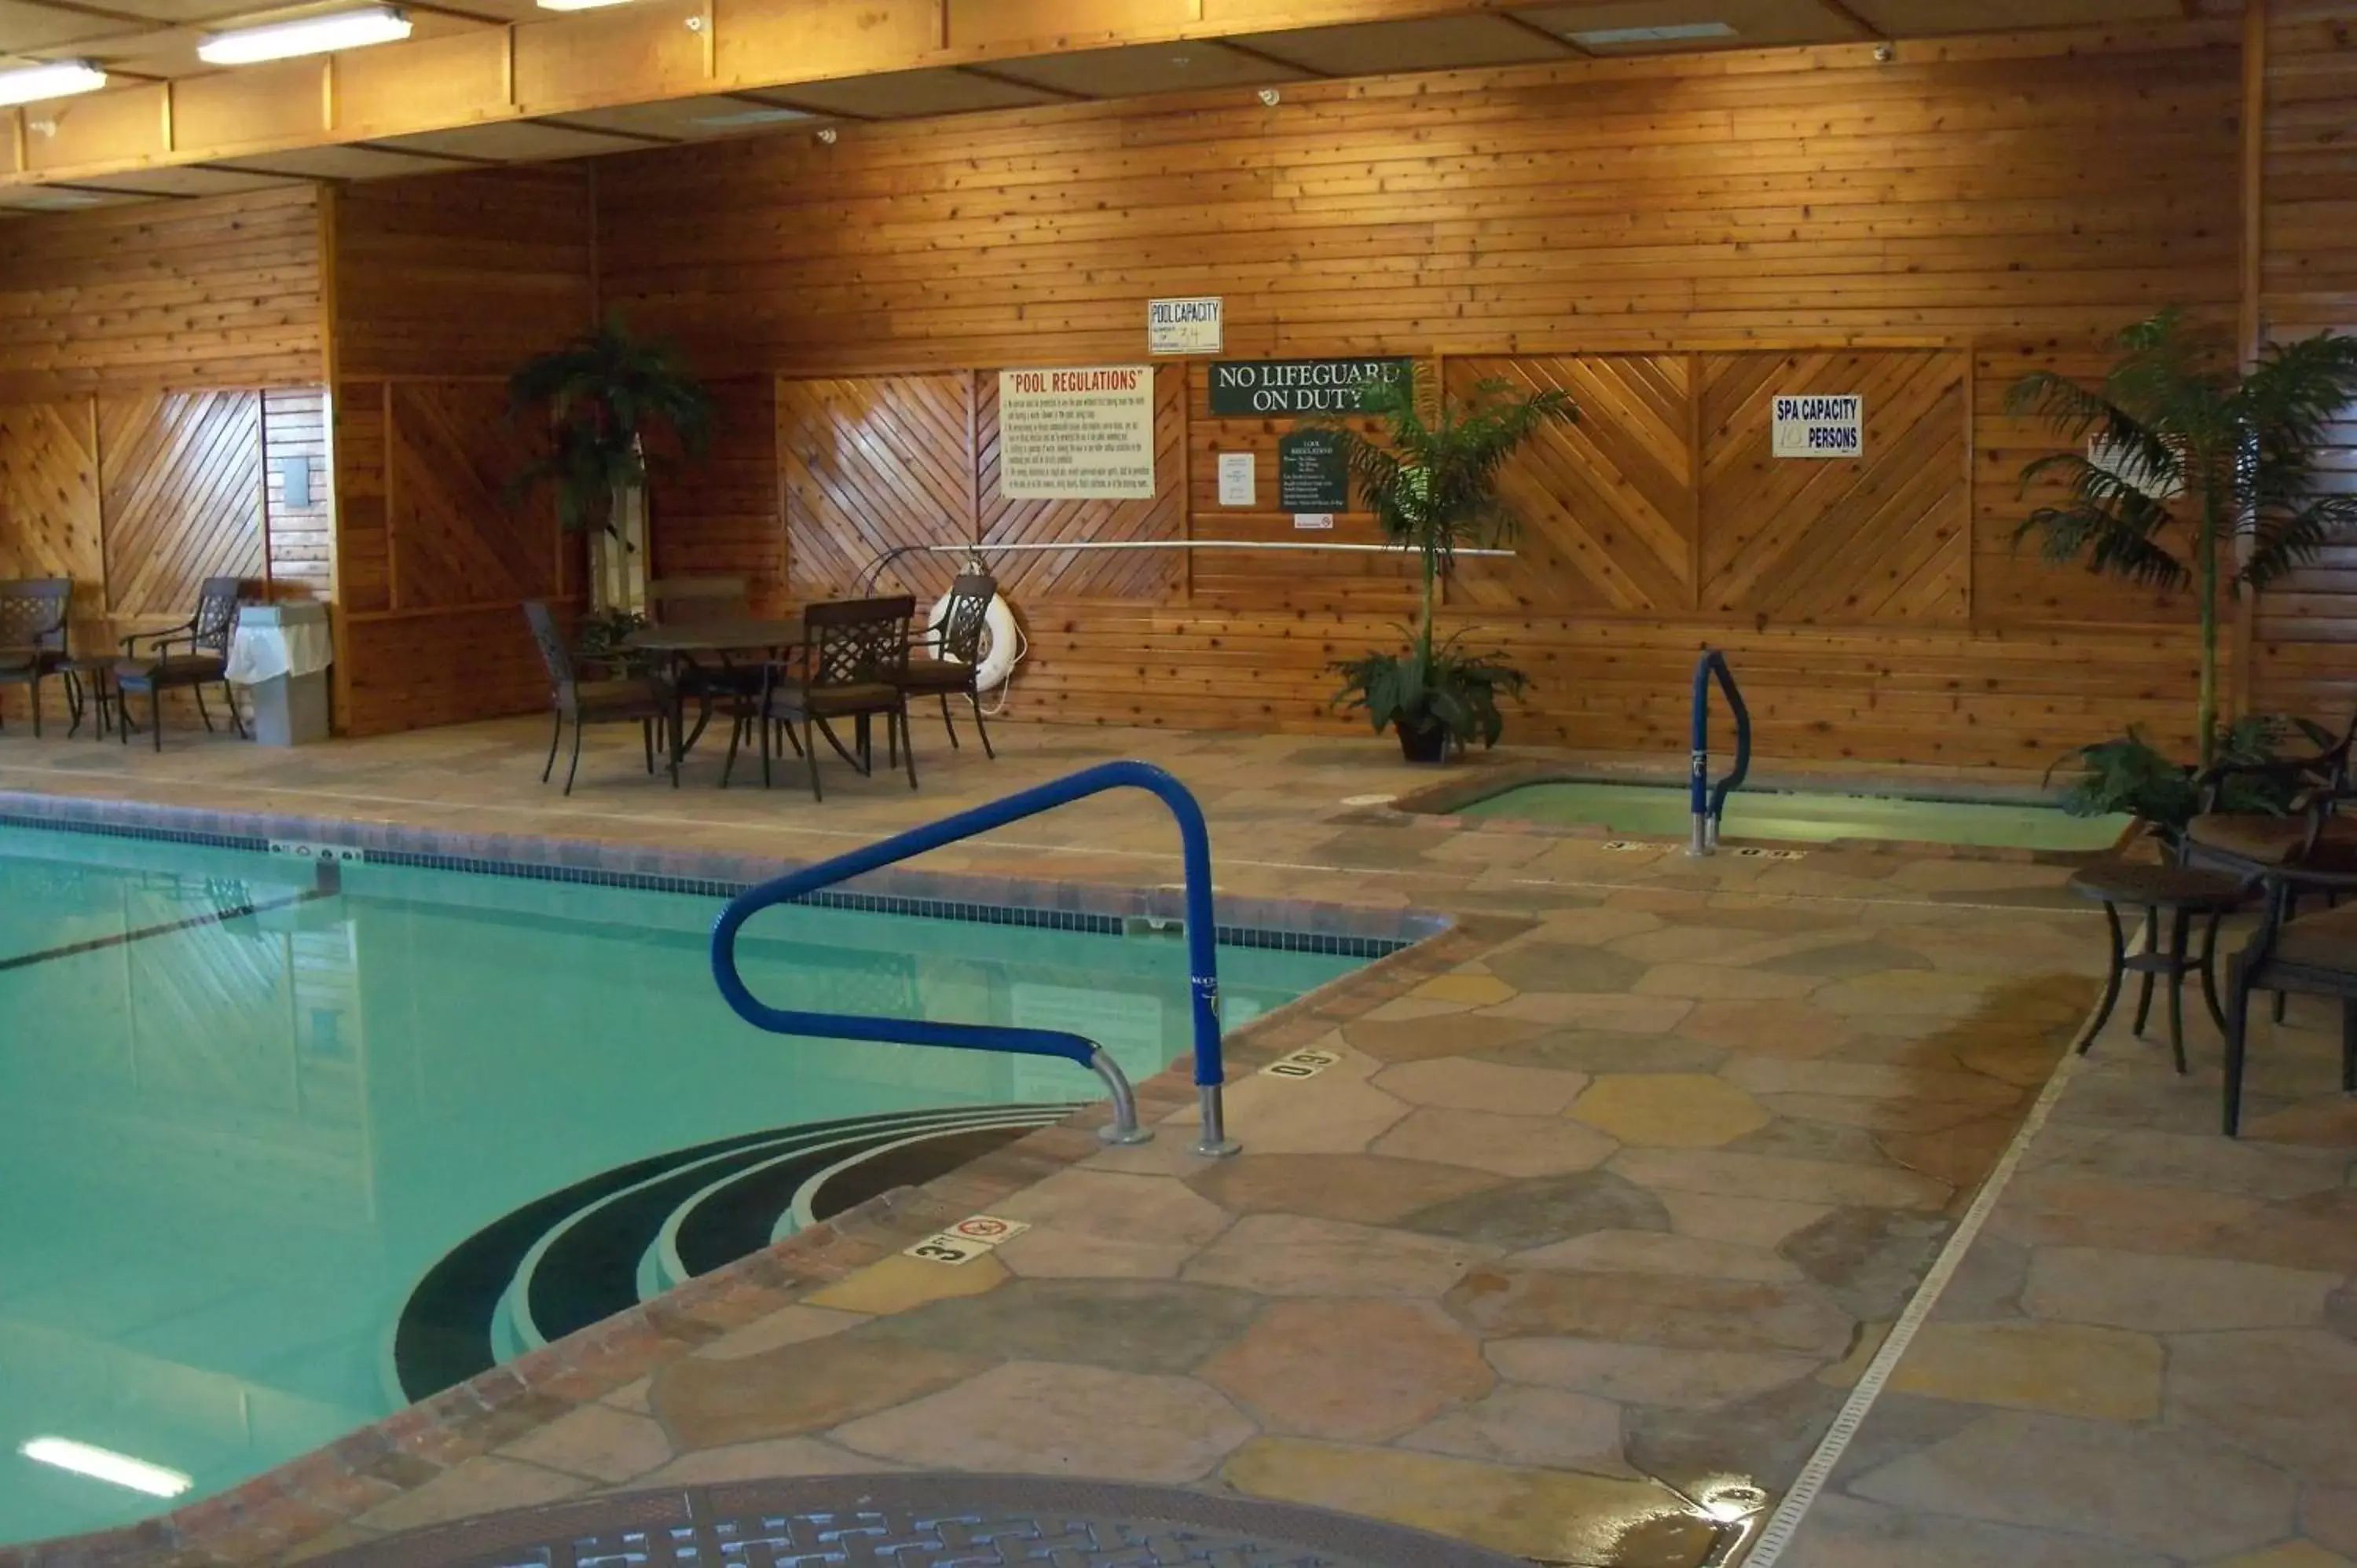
{"x":205,"y":636}
{"x":945,"y":661}
{"x":32,"y":614}
{"x":638,"y":699}
{"x":852,"y":669}
{"x":2314,"y":954}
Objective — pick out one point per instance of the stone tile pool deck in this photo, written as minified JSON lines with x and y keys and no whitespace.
{"x":1607,"y":1202}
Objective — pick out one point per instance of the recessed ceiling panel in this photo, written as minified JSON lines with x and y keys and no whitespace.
{"x":905,"y":94}
{"x":1659,"y":26}
{"x":516,"y":141}
{"x":50,"y":199}
{"x":189,"y":181}
{"x":1906,"y":18}
{"x":690,"y":119}
{"x":1141,"y":68}
{"x":338,"y":163}
{"x":23,"y":27}
{"x":1435,"y":43}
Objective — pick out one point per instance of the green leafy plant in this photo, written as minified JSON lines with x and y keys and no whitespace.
{"x":602,"y":634}
{"x":2132,"y":776}
{"x":601,"y":397}
{"x":1432,"y":684}
{"x":1432,"y":484}
{"x":2182,"y":451}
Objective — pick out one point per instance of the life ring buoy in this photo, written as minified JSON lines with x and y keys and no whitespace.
{"x":1001,"y":648}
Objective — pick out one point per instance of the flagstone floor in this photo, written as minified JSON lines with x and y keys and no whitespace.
{"x":1574,"y":1252}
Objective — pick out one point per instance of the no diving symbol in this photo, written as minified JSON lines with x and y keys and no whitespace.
{"x":987,"y":1228}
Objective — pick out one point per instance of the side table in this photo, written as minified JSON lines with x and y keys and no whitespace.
{"x":2182,"y":892}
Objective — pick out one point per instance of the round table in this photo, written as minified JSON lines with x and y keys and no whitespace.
{"x":2182,"y":892}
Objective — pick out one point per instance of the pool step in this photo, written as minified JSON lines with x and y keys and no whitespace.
{"x":603,"y":1244}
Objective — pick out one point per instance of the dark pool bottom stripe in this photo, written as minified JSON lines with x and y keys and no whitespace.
{"x":121,"y":939}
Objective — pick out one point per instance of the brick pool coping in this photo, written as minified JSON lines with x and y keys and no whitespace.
{"x":308,"y":1497}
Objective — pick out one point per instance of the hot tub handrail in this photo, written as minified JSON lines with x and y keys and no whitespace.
{"x":1709,"y":800}
{"x":1203,"y":981}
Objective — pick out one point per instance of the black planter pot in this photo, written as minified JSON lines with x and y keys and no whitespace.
{"x":1427,"y":742}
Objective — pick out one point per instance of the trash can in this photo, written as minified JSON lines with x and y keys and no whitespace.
{"x":280,"y":654}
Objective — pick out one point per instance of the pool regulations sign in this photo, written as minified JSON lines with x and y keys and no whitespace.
{"x":1820,"y":426}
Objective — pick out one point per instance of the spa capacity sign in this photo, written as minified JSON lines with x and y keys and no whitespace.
{"x":1248,"y":387}
{"x":1081,"y":434}
{"x":1820,"y":426}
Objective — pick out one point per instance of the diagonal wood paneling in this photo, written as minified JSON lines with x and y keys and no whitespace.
{"x":872,"y":462}
{"x":180,"y":496}
{"x":1151,"y":575}
{"x":49,"y":498}
{"x":1606,"y":503}
{"x":456,"y":538}
{"x":1882,"y":539}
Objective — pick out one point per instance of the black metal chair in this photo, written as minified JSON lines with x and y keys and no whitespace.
{"x":2314,"y":954}
{"x":205,"y":636}
{"x":852,"y":669}
{"x":638,"y":699}
{"x":944,"y":662}
{"x":2322,"y":841}
{"x":32,"y":614}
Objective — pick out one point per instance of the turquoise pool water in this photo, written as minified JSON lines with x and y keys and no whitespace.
{"x":241,"y":1139}
{"x":1662,"y":811}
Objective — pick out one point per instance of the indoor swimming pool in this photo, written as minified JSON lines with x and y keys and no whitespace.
{"x":290,"y":1146}
{"x":1663,"y":811}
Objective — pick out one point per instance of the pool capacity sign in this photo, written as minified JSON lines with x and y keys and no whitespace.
{"x":1820,"y":426}
{"x":1080,"y":435}
{"x":1184,"y":326}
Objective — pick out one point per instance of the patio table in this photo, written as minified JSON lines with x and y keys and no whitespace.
{"x":716,"y":643}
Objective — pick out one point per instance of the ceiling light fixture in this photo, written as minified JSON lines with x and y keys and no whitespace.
{"x":106,"y":1464}
{"x":1675,"y":33}
{"x":61,"y":79}
{"x":309,"y":36}
{"x":579,"y":5}
{"x":745,"y":117}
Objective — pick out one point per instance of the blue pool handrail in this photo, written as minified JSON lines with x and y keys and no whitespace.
{"x":1708,"y":800}
{"x":1202,"y":947}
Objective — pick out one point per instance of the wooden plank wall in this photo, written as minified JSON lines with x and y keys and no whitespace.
{"x":1668,"y":237}
{"x":2306,"y":655}
{"x":140,"y":496}
{"x":444,"y":284}
{"x":158,"y":364}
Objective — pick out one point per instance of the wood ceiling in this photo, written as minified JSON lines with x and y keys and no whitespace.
{"x":240,"y":130}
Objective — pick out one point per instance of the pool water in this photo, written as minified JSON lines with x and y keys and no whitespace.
{"x":1663,"y":811}
{"x":253,"y":1118}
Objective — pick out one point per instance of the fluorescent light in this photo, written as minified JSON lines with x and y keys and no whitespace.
{"x":60,"y":79}
{"x":1676,"y":33}
{"x":309,"y":36}
{"x":106,"y":1464}
{"x":578,"y":5}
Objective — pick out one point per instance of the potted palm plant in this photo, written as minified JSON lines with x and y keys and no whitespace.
{"x":2186,"y":471}
{"x":1433,"y":486}
{"x":601,"y":397}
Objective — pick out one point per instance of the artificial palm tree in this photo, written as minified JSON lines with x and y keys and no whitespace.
{"x":601,"y":397}
{"x":1433,"y":486}
{"x":2179,"y":447}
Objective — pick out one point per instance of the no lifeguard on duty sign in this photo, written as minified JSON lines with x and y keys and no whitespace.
{"x":1820,"y":426}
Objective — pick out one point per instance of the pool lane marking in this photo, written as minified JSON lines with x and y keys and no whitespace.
{"x":327,"y":888}
{"x":1785,"y":1522}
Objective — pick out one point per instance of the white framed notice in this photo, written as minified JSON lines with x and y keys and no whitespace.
{"x":1185,"y":325}
{"x":1820,"y":426}
{"x":1077,"y":434}
{"x":1239,"y":480}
